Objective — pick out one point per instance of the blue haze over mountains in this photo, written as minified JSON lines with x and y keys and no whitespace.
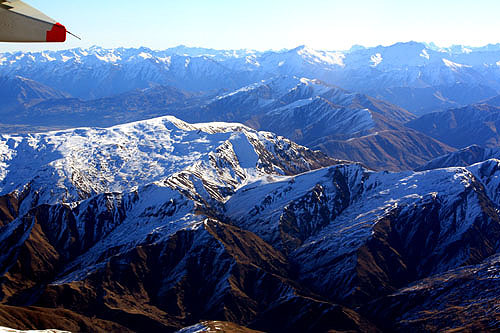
{"x":435,"y":78}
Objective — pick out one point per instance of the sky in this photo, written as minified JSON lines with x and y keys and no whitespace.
{"x":269,"y":24}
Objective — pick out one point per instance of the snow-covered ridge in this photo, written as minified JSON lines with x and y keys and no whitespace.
{"x":125,"y":185}
{"x":335,"y":210}
{"x":373,"y":196}
{"x":454,"y":65}
{"x":333,"y":57}
{"x":74,"y":164}
{"x":323,"y":218}
{"x":324,"y":57}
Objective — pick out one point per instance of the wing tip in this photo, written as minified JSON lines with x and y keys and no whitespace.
{"x":57,"y":34}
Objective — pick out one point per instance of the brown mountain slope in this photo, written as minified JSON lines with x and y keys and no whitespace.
{"x":9,"y":207}
{"x":156,"y":287}
{"x":212,"y":326}
{"x":463,"y":299}
{"x":27,"y":318}
{"x":387,"y":150}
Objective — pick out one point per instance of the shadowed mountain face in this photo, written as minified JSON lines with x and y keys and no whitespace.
{"x":387,"y":150}
{"x":465,"y":298}
{"x":230,"y":225}
{"x":356,"y":235}
{"x":26,"y":318}
{"x":259,"y":105}
{"x":463,"y":157}
{"x":424,"y":100}
{"x":58,"y":111}
{"x":459,"y":128}
{"x":123,"y":108}
{"x":494,"y":101}
{"x":18,"y":93}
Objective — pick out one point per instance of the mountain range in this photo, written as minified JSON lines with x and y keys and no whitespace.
{"x":417,"y":76}
{"x":299,"y":190}
{"x":298,"y":93}
{"x":343,"y":124}
{"x":346,"y":125}
{"x":156,"y":225}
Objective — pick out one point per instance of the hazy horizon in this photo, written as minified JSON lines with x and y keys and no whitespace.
{"x":355,"y":45}
{"x":260,"y":25}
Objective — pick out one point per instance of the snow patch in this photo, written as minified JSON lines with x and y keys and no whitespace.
{"x":48,"y":57}
{"x":145,"y":55}
{"x":425,"y":54}
{"x":245,"y":152}
{"x":65,"y":58}
{"x":453,"y":65}
{"x":329,"y":58}
{"x":198,"y":328}
{"x":376,"y":59}
{"x":243,"y":89}
{"x":109,"y":58}
{"x":306,"y":81}
{"x":252,"y":59}
{"x":165,"y":60}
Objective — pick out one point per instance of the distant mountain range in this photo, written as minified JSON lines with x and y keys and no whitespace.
{"x":343,"y":124}
{"x":419,"y":77}
{"x":156,"y":225}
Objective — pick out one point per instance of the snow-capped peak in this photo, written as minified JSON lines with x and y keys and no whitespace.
{"x":324,"y":57}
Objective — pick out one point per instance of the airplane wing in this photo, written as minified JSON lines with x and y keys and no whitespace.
{"x":20,"y":22}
